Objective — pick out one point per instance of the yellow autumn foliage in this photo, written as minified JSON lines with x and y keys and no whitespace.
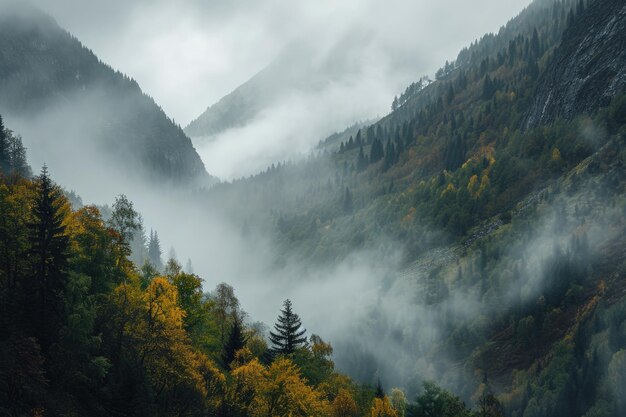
{"x":278,"y":391}
{"x":152,"y":322}
{"x":344,"y":405}
{"x":382,"y":408}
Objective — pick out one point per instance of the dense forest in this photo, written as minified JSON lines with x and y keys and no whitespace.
{"x":85,"y":331}
{"x":492,"y":209}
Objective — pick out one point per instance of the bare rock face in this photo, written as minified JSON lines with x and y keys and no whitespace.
{"x":589,"y":67}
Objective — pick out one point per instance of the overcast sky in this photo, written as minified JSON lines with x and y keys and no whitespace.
{"x":189,"y":53}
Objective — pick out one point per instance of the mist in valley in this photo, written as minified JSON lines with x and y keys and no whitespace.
{"x":390,"y":316}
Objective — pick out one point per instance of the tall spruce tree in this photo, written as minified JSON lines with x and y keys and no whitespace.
{"x":49,"y":250}
{"x":236,"y":341}
{"x":154,"y":250}
{"x":347,"y":201}
{"x":288,"y":335}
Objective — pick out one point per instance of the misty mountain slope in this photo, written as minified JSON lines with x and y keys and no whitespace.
{"x":65,"y":101}
{"x":510,"y":240}
{"x":457,"y":160}
{"x":588,"y":68}
{"x":291,"y":71}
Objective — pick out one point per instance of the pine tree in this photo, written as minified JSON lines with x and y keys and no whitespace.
{"x":394,"y":104}
{"x":390,"y":155}
{"x":489,"y":89}
{"x":236,"y":341}
{"x":4,"y":149}
{"x":361,"y":163}
{"x":139,"y":244}
{"x":154,"y":250}
{"x":288,"y":337}
{"x":347,"y":201}
{"x":376,"y":152}
{"x":49,"y":250}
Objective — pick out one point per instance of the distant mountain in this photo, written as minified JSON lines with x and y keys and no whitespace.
{"x":290,"y":72}
{"x":304,"y":68}
{"x":67,"y":103}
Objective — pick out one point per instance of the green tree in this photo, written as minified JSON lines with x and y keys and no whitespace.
{"x":489,"y":88}
{"x":154,"y":250}
{"x":288,"y":335}
{"x":124,"y":220}
{"x":236,"y":341}
{"x":49,"y":254}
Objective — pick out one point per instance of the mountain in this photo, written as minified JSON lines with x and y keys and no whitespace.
{"x":295,"y":70}
{"x":510,"y":234}
{"x":68,"y":104}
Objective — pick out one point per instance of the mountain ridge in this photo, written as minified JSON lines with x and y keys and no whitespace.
{"x":43,"y":68}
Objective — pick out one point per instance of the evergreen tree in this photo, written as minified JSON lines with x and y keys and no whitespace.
{"x":139,"y":244}
{"x":17,"y":156}
{"x":347,"y":201}
{"x":154,"y":250}
{"x":489,"y":89}
{"x":377,"y":152}
{"x":362,"y":160}
{"x":394,"y":104}
{"x":535,"y":45}
{"x":49,"y":248}
{"x":236,"y":341}
{"x":288,"y":336}
{"x":390,"y":155}
{"x":4,"y":149}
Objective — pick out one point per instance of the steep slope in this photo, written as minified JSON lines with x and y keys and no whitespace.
{"x":512,"y":277}
{"x":587,"y":70}
{"x":67,"y":103}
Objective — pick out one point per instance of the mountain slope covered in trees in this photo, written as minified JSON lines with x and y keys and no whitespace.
{"x":51,"y":86}
{"x":499,"y":245}
{"x":85,"y":331}
{"x":511,"y":234}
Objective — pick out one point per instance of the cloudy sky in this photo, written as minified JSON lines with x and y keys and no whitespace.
{"x":188,"y":54}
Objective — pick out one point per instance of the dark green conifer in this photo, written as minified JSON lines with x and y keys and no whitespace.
{"x":288,"y":335}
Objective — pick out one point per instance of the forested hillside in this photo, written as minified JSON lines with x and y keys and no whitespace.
{"x":511,"y":233}
{"x":485,"y":218}
{"x":51,"y":85}
{"x":85,"y":331}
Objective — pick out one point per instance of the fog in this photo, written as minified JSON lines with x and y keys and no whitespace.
{"x":189,"y":54}
{"x":369,"y":305}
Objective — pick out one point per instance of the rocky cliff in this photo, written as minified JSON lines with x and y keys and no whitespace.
{"x":589,"y":67}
